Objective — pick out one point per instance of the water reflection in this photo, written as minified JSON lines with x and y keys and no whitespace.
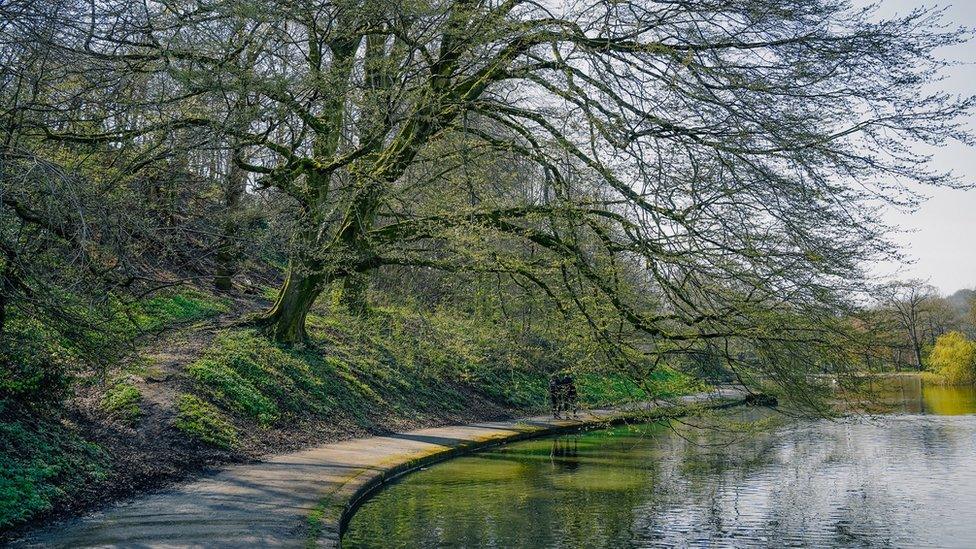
{"x":900,"y":480}
{"x":908,"y":394}
{"x":565,"y":452}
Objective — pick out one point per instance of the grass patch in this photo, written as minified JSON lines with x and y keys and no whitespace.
{"x":122,"y":401}
{"x":224,"y":384}
{"x":246,"y":374}
{"x":205,"y":422}
{"x":176,"y":307}
{"x":270,"y":292}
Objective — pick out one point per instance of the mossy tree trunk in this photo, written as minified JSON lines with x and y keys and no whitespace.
{"x":285,"y":321}
{"x":344,"y":262}
{"x":346,"y":255}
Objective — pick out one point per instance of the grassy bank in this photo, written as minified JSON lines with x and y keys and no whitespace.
{"x":51,"y":455}
{"x":210,"y":393}
{"x":372,"y":375}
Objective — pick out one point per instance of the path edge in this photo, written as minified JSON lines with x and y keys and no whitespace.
{"x":329,"y":520}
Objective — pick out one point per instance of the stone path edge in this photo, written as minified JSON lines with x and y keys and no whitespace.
{"x":329,"y":521}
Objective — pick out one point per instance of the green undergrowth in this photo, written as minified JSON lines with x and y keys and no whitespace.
{"x":122,"y":400}
{"x":43,"y":464}
{"x":40,"y":359}
{"x":395,"y":363}
{"x":166,"y":309}
{"x":35,"y":364}
{"x":205,"y":422}
{"x":249,"y":376}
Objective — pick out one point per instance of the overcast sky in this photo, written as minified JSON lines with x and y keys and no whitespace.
{"x":942,"y":236}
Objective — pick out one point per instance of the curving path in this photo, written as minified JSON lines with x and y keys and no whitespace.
{"x":302,"y":498}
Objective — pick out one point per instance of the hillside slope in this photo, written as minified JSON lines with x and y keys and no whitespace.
{"x":200,"y":390}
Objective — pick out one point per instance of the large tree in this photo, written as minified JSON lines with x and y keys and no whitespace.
{"x":694,"y":171}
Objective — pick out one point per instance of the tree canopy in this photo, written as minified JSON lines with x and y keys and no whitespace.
{"x":679,"y":175}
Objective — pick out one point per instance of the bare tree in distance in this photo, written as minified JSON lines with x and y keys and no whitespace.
{"x":910,"y":302}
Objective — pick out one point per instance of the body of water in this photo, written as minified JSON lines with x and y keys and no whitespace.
{"x":905,"y":479}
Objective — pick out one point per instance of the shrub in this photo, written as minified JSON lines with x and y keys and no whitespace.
{"x":34,"y":367}
{"x":954,"y":358}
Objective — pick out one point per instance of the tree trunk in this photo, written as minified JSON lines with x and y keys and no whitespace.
{"x":223,"y":274}
{"x":285,"y":321}
{"x":917,"y":349}
{"x":227,"y":248}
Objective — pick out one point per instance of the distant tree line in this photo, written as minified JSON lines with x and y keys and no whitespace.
{"x":908,"y":320}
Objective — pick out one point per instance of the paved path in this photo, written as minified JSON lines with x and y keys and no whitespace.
{"x":296,"y":499}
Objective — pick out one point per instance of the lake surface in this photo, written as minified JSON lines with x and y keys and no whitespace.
{"x":904,"y":479}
